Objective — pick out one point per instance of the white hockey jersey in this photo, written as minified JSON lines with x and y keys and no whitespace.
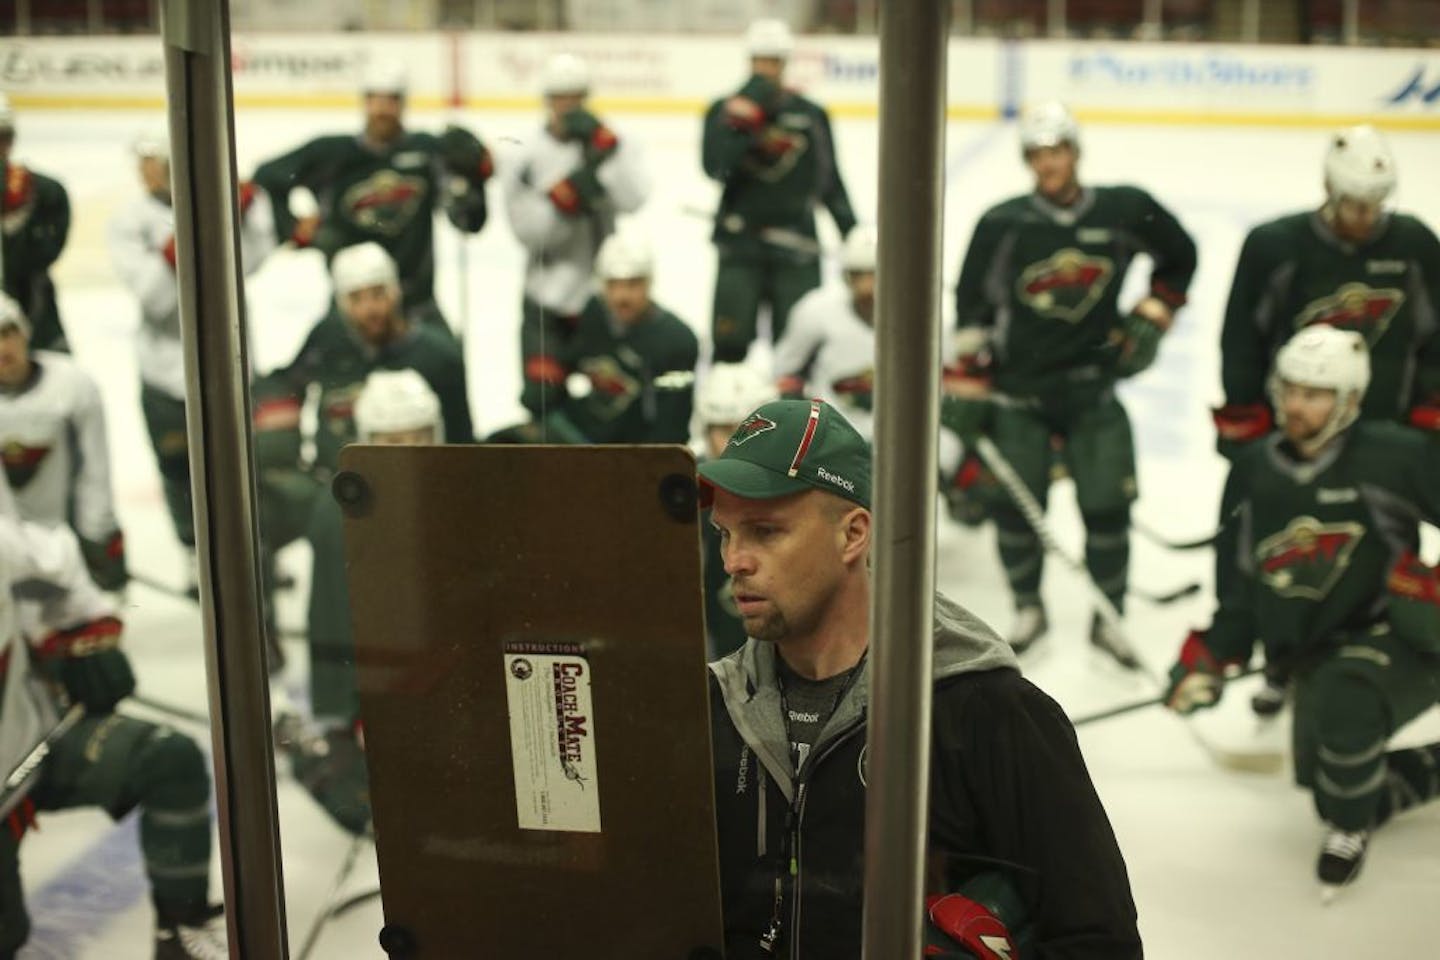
{"x":832,"y":351}
{"x":561,"y":250}
{"x":138,"y":235}
{"x":53,"y":443}
{"x":42,"y":563}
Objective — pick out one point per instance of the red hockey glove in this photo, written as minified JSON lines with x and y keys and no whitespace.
{"x":247,"y":193}
{"x":583,"y":126}
{"x":969,"y":924}
{"x":19,"y":187}
{"x":577,"y":193}
{"x":749,"y":109}
{"x":168,"y":251}
{"x":1242,"y":422}
{"x":1426,"y":416}
{"x":1197,"y":678}
{"x":93,"y":669}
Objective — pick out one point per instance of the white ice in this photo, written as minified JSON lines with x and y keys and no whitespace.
{"x":1222,"y":863}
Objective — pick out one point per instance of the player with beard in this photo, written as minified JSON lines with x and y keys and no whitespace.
{"x":627,"y":375}
{"x":1023,"y":856}
{"x":34,"y":224}
{"x":1353,"y":264}
{"x":384,"y":186}
{"x":1324,"y":545}
{"x":1038,"y":299}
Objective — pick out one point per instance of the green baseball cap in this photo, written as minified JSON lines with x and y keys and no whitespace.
{"x":787,"y":446}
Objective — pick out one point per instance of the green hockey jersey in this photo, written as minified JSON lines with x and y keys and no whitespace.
{"x":1294,"y":272}
{"x":774,"y":177}
{"x":335,"y":359}
{"x":1314,"y":541}
{"x":34,"y":235}
{"x":640,"y":379}
{"x":1046,"y":279}
{"x":388,"y":195}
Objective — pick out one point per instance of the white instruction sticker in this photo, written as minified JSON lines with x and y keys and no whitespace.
{"x":552,"y":737}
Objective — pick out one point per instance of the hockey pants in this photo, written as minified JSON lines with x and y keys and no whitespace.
{"x":742,"y":283}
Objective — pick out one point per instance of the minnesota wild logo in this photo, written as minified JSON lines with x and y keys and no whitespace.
{"x":385,"y":202}
{"x":1065,"y":285}
{"x":753,"y":426}
{"x":775,"y":153}
{"x":1355,"y":306}
{"x":21,"y":462}
{"x":612,"y":388}
{"x":1307,"y":557}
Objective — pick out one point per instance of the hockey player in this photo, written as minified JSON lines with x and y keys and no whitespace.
{"x":142,"y":253}
{"x":34,"y":223}
{"x":394,"y":407}
{"x":1012,"y":808}
{"x":828,"y":349}
{"x":773,"y":151}
{"x":628,"y":373}
{"x":563,"y":192}
{"x":1324,"y":541}
{"x":1353,"y":264}
{"x":54,"y":447}
{"x":1041,"y":281}
{"x":384,"y":186}
{"x":67,"y":639}
{"x":373,"y":332}
{"x":727,"y":395}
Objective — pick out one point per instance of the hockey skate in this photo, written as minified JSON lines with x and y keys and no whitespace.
{"x":1341,"y":857}
{"x":200,"y":936}
{"x":1030,"y":626}
{"x":1107,"y":638}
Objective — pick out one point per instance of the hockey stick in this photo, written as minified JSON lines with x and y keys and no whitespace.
{"x":347,"y":866}
{"x":791,"y":240}
{"x":19,"y":779}
{"x":1137,"y":705}
{"x":1025,"y":501}
{"x":151,"y":583}
{"x":350,"y":903}
{"x":1169,"y":596}
{"x":171,"y":711}
{"x":1154,"y":536}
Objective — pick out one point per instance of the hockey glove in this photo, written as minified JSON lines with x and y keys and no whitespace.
{"x":965,"y":397}
{"x":965,"y":495}
{"x":1425,"y":415}
{"x":19,"y":188}
{"x":90,"y":664}
{"x":1237,"y":424}
{"x":1140,"y":345}
{"x":1415,"y":602}
{"x":168,"y":251}
{"x":977,"y":921}
{"x":750,"y":109}
{"x":583,"y":126}
{"x":105,"y":559}
{"x":578,"y":193}
{"x":247,"y":191}
{"x":1197,"y":678}
{"x":462,"y":154}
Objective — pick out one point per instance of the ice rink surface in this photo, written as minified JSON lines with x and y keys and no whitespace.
{"x":1222,"y":863}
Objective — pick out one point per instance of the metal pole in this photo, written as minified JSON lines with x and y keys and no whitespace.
{"x":1152,"y":27}
{"x":202,"y":138}
{"x":22,"y":18}
{"x":1352,"y":22}
{"x":913,"y":46}
{"x":1250,"y":21}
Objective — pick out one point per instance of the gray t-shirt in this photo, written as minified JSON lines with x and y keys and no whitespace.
{"x":807,"y":706}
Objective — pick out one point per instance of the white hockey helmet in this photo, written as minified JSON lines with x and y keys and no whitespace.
{"x":565,"y":75}
{"x":395,"y":400}
{"x":730,"y":392}
{"x":385,"y":76}
{"x":1359,"y":165}
{"x":1048,"y":124}
{"x":7,"y":114}
{"x":859,"y":253}
{"x":769,"y":38}
{"x":1328,"y":358}
{"x":625,"y":255}
{"x":153,"y":143}
{"x":363,"y":265}
{"x":12,"y":314}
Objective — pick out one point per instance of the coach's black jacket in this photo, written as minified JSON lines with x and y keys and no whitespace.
{"x":1008,"y":785}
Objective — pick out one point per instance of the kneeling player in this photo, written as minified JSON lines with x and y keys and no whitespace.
{"x":71,"y":638}
{"x":1324,"y":539}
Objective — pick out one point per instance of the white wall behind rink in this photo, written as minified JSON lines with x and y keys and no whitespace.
{"x":1116,"y":82}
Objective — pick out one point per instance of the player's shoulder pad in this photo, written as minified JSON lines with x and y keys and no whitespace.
{"x":1412,"y":229}
{"x":1377,"y":438}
